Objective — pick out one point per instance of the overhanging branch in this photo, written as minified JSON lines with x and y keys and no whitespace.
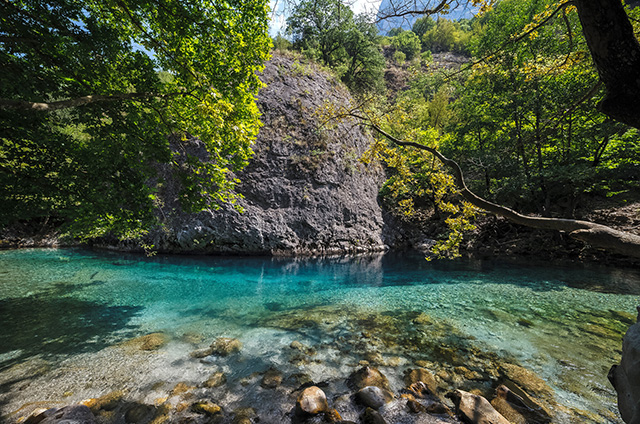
{"x":78,"y":101}
{"x":597,"y":235}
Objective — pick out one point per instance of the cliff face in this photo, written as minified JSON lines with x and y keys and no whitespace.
{"x":305,"y":192}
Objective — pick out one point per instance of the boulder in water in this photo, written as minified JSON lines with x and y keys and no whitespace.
{"x":475,"y":409}
{"x":311,"y":401}
{"x":625,"y":377}
{"x":373,"y":397}
{"x":76,"y":414}
{"x":225,"y":346}
{"x":368,"y":376}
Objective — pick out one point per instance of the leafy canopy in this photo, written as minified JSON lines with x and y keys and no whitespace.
{"x":327,"y":31}
{"x":112,"y":79}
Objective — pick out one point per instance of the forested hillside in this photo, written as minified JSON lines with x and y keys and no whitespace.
{"x":510,"y":95}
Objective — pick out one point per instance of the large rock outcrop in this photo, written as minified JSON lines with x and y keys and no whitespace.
{"x":305,"y":191}
{"x":626,"y":376}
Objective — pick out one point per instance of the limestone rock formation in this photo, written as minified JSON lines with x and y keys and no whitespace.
{"x":305,"y":190}
{"x":626,"y":376}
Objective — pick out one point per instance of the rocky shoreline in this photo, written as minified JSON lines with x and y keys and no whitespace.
{"x":373,"y":373}
{"x":368,"y":398}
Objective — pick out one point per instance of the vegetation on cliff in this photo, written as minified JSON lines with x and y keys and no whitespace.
{"x":90,"y":90}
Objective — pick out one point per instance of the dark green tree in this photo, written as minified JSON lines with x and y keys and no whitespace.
{"x":408,"y":43}
{"x":422,"y":25}
{"x":320,"y":27}
{"x":326,"y":30}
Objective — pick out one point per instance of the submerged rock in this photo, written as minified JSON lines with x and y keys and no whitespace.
{"x":371,"y":416}
{"x":108,"y":402}
{"x":306,"y":350}
{"x":244,"y":416}
{"x":138,"y":413}
{"x":225,"y":346}
{"x":373,"y":397}
{"x":77,"y":414}
{"x":148,"y":342}
{"x":475,"y":409}
{"x":181,"y":388}
{"x":368,"y":376}
{"x":216,"y":379}
{"x":271,"y":379}
{"x":415,"y":375}
{"x":519,"y":409}
{"x":311,"y":401}
{"x":527,"y":380}
{"x":206,"y":407}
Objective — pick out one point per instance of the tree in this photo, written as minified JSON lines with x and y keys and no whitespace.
{"x":91,"y":90}
{"x":514,"y":136}
{"x":422,"y":25}
{"x":364,"y":64}
{"x":609,"y":35}
{"x":326,"y":30}
{"x":408,"y":43}
{"x":321,"y":26}
{"x":610,"y":40}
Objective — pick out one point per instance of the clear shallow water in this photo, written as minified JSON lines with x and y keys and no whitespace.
{"x":68,"y":307}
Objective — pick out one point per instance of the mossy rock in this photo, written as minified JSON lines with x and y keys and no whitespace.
{"x":206,"y":407}
{"x":225,"y":346}
{"x":108,"y":402}
{"x":216,"y":379}
{"x":148,"y":342}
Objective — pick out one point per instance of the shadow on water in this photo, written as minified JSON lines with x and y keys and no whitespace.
{"x":48,"y":325}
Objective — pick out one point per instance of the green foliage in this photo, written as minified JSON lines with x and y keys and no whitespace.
{"x":170,"y":68}
{"x":281,"y":44}
{"x":393,"y":32}
{"x":423,"y":25}
{"x":426,"y":58}
{"x":520,"y":129}
{"x":319,"y":27}
{"x":399,"y":57}
{"x":327,"y":31}
{"x":408,"y":43}
{"x":447,"y":36}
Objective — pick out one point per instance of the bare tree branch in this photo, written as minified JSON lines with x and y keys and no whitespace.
{"x":79,"y":101}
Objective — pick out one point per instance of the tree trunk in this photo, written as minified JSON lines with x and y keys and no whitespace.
{"x":616,"y":54}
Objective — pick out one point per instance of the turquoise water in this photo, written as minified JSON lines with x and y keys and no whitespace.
{"x":67,"y":308}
